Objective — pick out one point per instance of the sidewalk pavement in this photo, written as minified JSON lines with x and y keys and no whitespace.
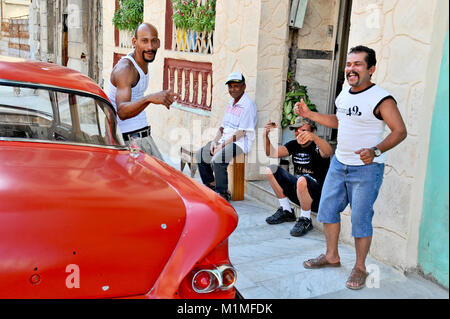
{"x":269,"y":263}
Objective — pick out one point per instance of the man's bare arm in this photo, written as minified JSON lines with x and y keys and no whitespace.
{"x":391,"y":115}
{"x":271,"y":152}
{"x":216,"y":140}
{"x":325,"y":148}
{"x":234,"y":138}
{"x":328,"y":120}
{"x":124,"y":77}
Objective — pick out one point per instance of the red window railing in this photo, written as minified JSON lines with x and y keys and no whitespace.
{"x":117,"y":57}
{"x":191,"y":80}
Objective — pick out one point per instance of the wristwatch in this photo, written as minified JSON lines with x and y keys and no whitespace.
{"x":377,"y":151}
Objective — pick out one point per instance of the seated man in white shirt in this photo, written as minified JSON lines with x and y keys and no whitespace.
{"x":234,"y":137}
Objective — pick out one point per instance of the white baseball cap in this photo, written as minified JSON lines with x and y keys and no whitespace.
{"x":235,"y":77}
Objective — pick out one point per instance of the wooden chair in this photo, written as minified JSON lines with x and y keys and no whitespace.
{"x":236,"y":171}
{"x":187,"y":155}
{"x":236,"y":178}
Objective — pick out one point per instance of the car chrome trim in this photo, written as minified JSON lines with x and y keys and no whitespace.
{"x":217,"y":274}
{"x":26,"y":140}
{"x":212,"y":272}
{"x":221,"y":269}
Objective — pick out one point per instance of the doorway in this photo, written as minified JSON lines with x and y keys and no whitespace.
{"x":321,"y":51}
{"x":65,"y":42}
{"x":337,"y":78}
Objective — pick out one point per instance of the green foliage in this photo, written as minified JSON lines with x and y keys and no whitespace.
{"x":129,"y":15}
{"x":295,"y":93}
{"x":183,"y":13}
{"x":189,"y":15}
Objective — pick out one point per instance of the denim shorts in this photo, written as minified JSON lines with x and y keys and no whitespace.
{"x":354,"y":185}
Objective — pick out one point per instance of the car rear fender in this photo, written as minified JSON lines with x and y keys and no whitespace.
{"x":202,"y":233}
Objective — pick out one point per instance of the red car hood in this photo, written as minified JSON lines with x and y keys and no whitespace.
{"x":63,"y":207}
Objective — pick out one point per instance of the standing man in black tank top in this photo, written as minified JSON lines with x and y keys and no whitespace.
{"x":128,"y":83}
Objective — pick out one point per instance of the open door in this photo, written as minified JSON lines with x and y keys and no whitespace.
{"x":321,"y":55}
{"x":65,"y":42}
{"x":337,"y":78}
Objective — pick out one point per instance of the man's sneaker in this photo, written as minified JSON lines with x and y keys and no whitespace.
{"x":226,"y":196}
{"x":301,"y":227}
{"x":281,"y":216}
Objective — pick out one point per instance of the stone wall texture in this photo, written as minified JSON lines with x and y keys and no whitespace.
{"x":14,"y":38}
{"x":15,"y":8}
{"x":319,"y":15}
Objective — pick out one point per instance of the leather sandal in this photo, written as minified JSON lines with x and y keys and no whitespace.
{"x":357,"y":276}
{"x":319,"y":262}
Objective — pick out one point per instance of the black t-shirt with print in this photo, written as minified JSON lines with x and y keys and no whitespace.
{"x":307,"y":160}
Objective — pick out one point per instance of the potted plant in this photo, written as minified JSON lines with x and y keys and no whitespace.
{"x":208,"y":16}
{"x":189,"y":16}
{"x":183,"y":17}
{"x":129,"y":15}
{"x":294,"y":94}
{"x":205,"y":17}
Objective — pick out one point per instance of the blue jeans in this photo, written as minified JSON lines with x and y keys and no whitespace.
{"x":354,"y":185}
{"x":214,"y":168}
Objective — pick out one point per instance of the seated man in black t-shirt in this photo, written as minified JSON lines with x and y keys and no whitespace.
{"x":310,"y":156}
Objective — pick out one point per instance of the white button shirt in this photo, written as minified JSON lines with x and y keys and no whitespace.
{"x":241,"y":116}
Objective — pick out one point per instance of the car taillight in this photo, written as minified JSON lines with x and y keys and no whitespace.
{"x":208,"y":280}
{"x":229,"y":277}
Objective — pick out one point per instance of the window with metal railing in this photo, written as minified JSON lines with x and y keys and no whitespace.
{"x":189,"y":30}
{"x":191,"y":80}
{"x":191,"y":26}
{"x":123,"y":27}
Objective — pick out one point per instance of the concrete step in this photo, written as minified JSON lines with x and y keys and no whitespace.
{"x":262,"y":192}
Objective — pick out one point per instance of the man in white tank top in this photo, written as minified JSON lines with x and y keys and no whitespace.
{"x":129,"y":81}
{"x":356,"y":171}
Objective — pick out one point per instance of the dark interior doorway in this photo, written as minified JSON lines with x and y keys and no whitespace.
{"x":65,"y":42}
{"x":339,"y":59}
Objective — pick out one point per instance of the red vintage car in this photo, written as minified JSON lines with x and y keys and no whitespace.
{"x":82,"y":218}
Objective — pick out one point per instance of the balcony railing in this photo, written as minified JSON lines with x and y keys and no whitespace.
{"x":125,"y":39}
{"x":193,"y":41}
{"x":191,"y":80}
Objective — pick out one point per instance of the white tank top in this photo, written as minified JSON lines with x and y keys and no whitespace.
{"x":358,"y":126}
{"x":137,"y":92}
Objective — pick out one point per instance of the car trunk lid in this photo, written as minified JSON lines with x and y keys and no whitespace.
{"x":82,"y":222}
